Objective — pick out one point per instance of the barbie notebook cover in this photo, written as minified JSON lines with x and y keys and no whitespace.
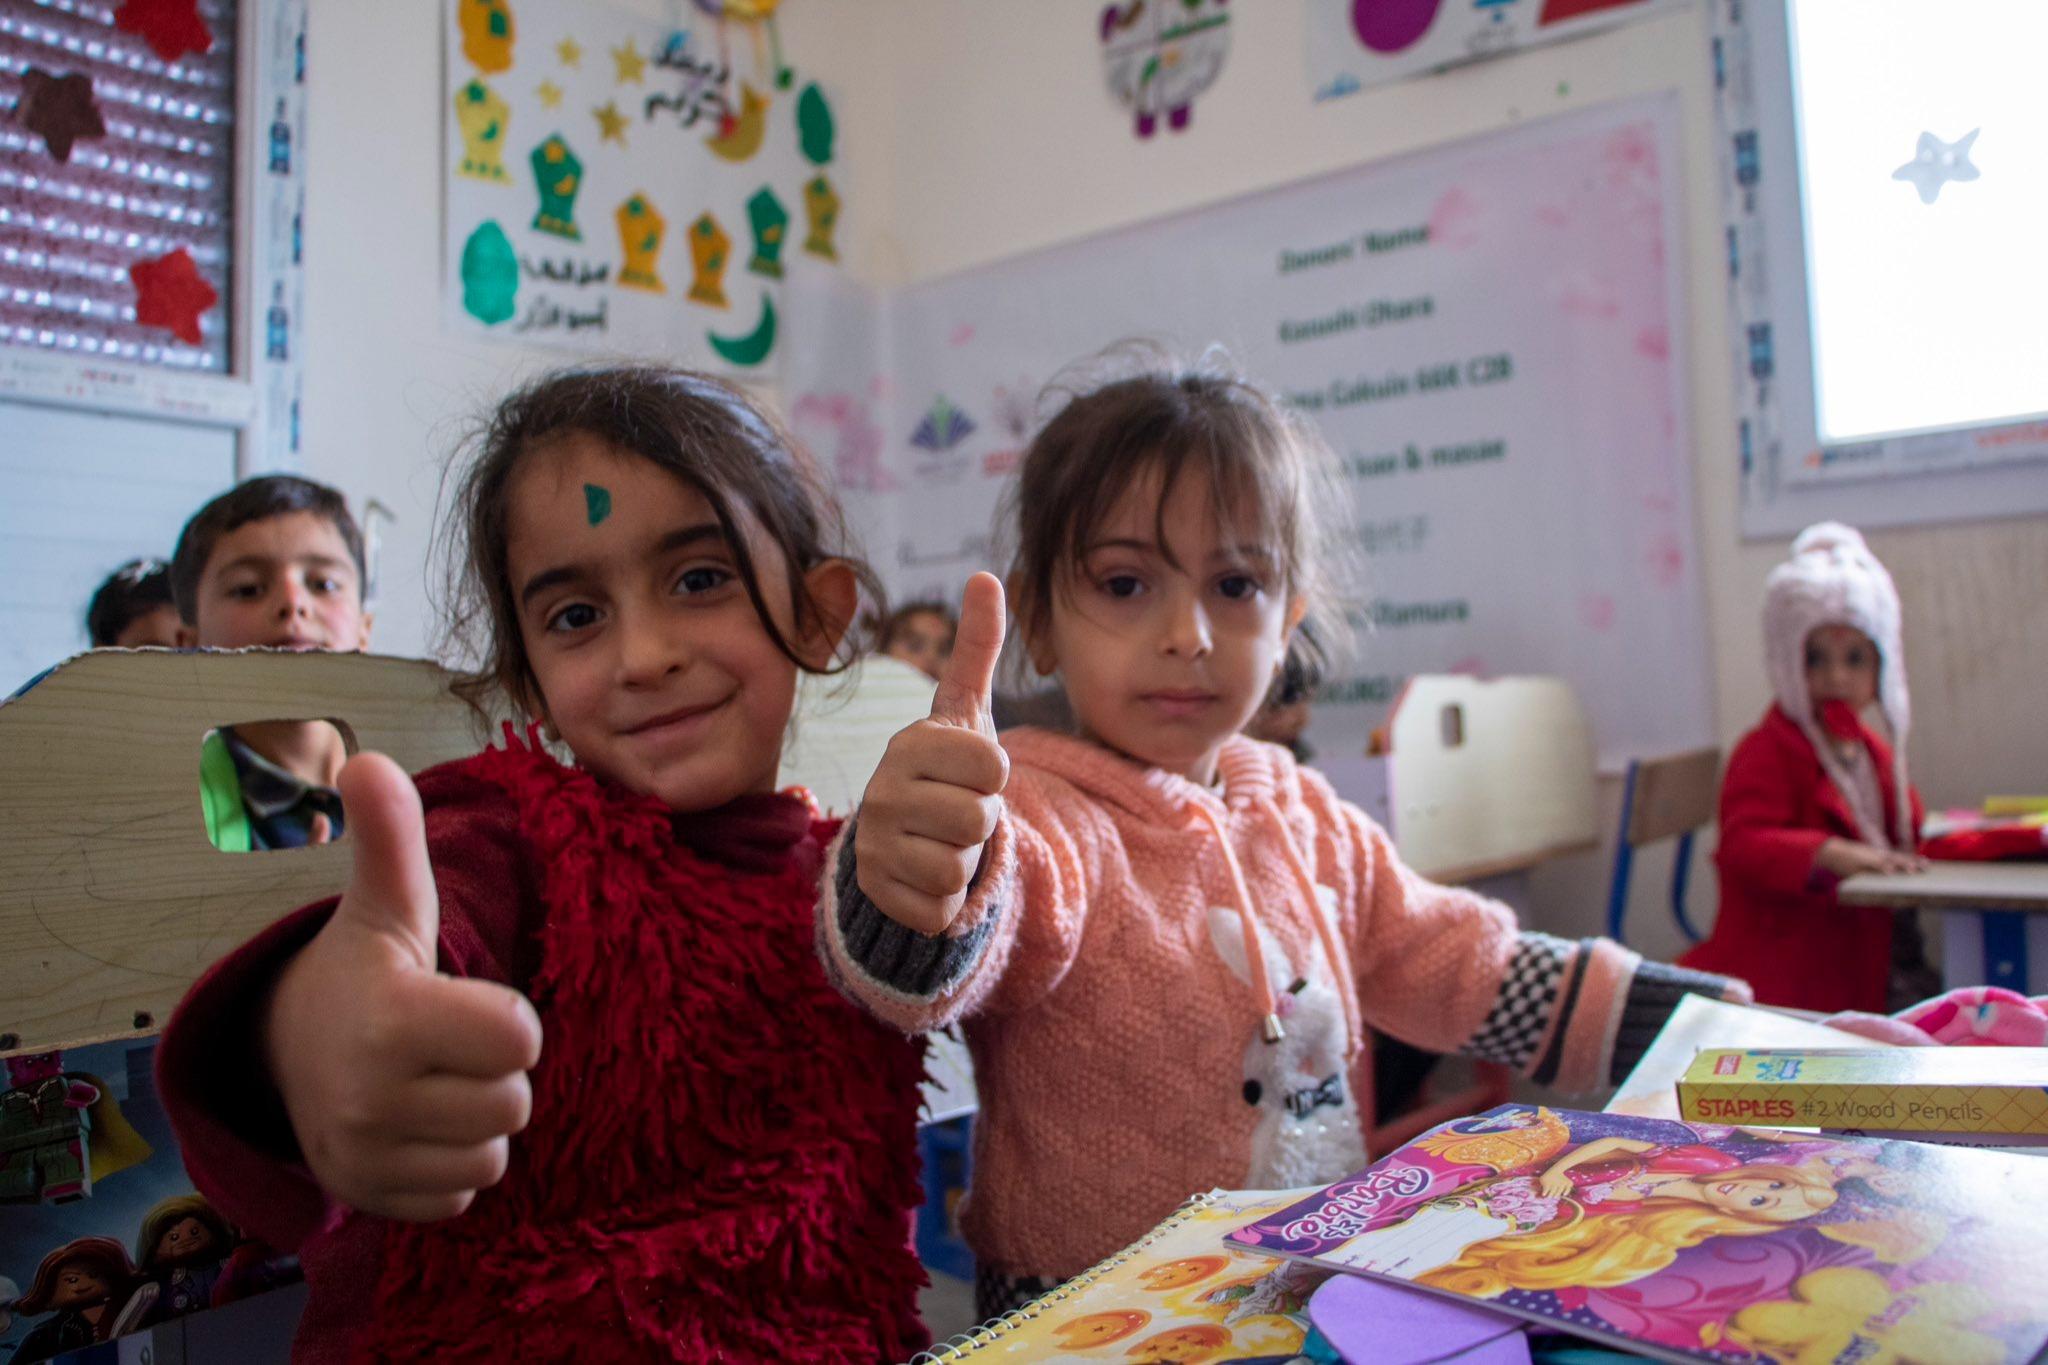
{"x":1696,"y":1242}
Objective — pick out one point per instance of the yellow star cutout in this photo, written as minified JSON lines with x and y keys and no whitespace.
{"x":611,"y":123}
{"x":550,"y":95}
{"x":570,"y":52}
{"x":632,"y":66}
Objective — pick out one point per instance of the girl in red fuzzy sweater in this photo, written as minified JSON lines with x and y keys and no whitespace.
{"x":559,"y":1075}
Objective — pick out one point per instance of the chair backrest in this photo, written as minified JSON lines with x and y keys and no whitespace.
{"x":112,"y":899}
{"x":1673,"y":795}
{"x":1489,"y":776}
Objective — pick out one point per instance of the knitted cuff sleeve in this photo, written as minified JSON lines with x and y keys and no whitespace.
{"x":894,"y":955}
{"x":1537,"y":979}
{"x":1653,"y":993}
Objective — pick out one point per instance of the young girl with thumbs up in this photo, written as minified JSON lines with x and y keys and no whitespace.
{"x":558,"y":1076}
{"x":1168,"y":941}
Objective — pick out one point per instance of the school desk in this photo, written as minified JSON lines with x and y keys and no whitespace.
{"x":1994,"y":918}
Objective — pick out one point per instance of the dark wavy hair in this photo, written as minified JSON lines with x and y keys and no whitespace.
{"x":706,"y":433}
{"x":1135,"y":409}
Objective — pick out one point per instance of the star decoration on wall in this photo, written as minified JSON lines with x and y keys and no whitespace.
{"x":171,"y":27}
{"x":170,"y":293}
{"x":632,"y":66}
{"x":550,"y":95}
{"x":1935,"y":163}
{"x":59,"y":109}
{"x":611,"y":124}
{"x":570,"y":52}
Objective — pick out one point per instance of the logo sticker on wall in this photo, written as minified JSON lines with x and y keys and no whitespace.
{"x":942,"y":427}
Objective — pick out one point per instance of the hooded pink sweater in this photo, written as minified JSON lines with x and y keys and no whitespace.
{"x":1120,"y":1028}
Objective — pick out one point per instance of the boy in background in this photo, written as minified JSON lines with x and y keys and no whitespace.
{"x":133,"y":608}
{"x":275,"y":562}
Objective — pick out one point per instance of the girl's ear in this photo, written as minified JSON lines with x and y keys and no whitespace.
{"x":1297,"y":611}
{"x":834,"y":590}
{"x":1031,"y":629}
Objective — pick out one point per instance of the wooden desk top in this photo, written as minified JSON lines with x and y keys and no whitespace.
{"x":1955,"y":886}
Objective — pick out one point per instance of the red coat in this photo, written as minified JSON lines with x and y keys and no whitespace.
{"x":1780,"y":927}
{"x":722,"y":1160}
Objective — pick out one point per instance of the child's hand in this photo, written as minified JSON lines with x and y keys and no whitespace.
{"x":404,"y":1086}
{"x":935,"y":798}
{"x":1847,"y":858}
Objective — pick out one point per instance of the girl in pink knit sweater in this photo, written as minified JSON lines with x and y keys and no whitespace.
{"x":1166,"y":941}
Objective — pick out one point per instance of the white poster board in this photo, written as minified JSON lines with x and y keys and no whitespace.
{"x":624,"y":187}
{"x":1489,"y":335}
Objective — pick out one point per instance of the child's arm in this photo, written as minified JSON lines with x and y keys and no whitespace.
{"x":338,"y":1057}
{"x":1765,"y":845}
{"x":925,"y":891}
{"x":1451,"y":971}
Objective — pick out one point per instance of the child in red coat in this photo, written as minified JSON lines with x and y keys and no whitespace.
{"x":559,"y":1076}
{"x":1815,"y":794}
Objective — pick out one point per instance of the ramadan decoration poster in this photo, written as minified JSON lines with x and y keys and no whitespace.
{"x":626,"y":187}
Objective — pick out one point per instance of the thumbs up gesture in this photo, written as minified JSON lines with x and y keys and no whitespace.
{"x":935,"y":798}
{"x":403,"y":1085}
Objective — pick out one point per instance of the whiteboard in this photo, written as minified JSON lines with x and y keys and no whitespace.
{"x":84,"y":493}
{"x":1490,"y":337}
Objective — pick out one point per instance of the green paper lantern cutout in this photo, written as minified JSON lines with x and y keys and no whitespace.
{"x":815,"y":128}
{"x":558,"y":173}
{"x":490,"y":275}
{"x":770,"y":222}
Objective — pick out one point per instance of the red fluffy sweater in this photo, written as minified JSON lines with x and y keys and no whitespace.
{"x":722,"y":1159}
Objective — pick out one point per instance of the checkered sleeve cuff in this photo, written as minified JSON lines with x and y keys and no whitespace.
{"x":1538,"y":978}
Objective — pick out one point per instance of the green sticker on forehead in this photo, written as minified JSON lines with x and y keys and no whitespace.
{"x":597,"y":502}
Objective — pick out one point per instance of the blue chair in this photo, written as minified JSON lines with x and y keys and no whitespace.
{"x":947,"y":1149}
{"x":1663,"y":798}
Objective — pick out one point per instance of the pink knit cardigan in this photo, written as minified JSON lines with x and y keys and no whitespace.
{"x":1119,"y":1027}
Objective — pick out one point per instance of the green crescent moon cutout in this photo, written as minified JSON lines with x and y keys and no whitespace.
{"x":753,"y":348}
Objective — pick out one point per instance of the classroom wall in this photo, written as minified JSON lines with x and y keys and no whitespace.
{"x":986,"y":130}
{"x":1002,"y":139}
{"x":389,"y":394}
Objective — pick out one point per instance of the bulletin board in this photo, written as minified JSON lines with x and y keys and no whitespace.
{"x":625,"y":187}
{"x":1490,"y":336}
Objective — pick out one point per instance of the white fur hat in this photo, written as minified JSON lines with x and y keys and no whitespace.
{"x":1832,"y":579}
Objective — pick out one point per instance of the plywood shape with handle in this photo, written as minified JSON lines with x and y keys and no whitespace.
{"x":1490,"y":775}
{"x":112,"y":900}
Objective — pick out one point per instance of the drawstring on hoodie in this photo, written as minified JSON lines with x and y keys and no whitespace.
{"x":1310,"y":897}
{"x":1254,"y":949}
{"x":1255,"y":954}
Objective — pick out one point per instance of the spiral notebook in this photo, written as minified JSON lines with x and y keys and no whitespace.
{"x":1178,"y":1293}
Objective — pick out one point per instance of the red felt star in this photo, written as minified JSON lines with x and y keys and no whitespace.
{"x":58,"y":108}
{"x":170,"y":293}
{"x":173,"y":27}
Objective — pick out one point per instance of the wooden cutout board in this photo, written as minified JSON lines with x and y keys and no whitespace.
{"x":1515,"y":789}
{"x":112,"y":900}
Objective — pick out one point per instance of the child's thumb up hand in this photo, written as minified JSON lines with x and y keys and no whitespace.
{"x":966,"y":686}
{"x":935,"y":799}
{"x":403,"y":1085}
